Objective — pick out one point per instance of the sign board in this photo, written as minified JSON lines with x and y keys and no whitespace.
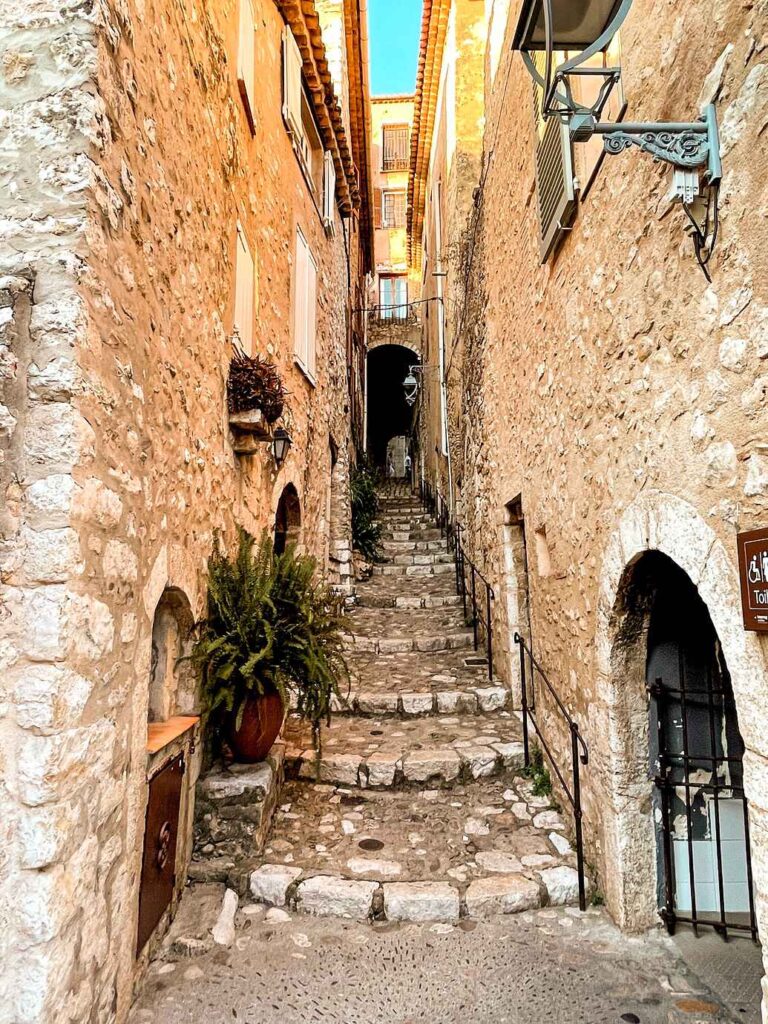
{"x":753,"y":570}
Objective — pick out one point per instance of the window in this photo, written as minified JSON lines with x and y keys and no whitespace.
{"x":246,"y":60}
{"x":245,"y":287}
{"x":304,"y":301}
{"x":393,"y":210}
{"x":554,"y":174}
{"x":565,"y":171}
{"x":395,"y":155}
{"x":299,"y":119}
{"x":329,"y":192}
{"x":393,"y":298}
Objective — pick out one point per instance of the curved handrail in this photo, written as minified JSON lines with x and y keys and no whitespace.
{"x":579,"y":750}
{"x":584,"y":757}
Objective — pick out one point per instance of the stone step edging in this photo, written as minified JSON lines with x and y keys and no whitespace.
{"x":472,"y":701}
{"x":281,"y":885}
{"x":385,"y":770}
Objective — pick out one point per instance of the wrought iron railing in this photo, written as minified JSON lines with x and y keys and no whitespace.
{"x":579,"y":749}
{"x":477,"y":594}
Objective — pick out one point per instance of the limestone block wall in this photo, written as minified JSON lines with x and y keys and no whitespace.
{"x":127,"y":161}
{"x":615,"y":375}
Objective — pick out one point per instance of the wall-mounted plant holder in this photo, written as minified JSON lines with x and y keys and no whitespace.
{"x":248,"y":431}
{"x":255,"y":397}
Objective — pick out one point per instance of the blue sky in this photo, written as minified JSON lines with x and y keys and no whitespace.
{"x":394,"y":27}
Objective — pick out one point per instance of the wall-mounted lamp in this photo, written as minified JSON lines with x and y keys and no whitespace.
{"x":588,"y":26}
{"x":412,"y":382}
{"x":411,"y":385}
{"x":281,"y":442}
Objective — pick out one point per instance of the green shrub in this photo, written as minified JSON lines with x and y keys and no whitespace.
{"x":539,"y":773}
{"x":366,"y":530}
{"x":270,"y":627}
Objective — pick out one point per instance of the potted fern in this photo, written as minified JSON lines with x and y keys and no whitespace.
{"x":271,"y":630}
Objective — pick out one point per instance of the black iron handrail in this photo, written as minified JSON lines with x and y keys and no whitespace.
{"x":579,"y":750}
{"x":476,"y":597}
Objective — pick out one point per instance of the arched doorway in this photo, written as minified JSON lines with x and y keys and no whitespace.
{"x":287,"y":519}
{"x":695,"y":752}
{"x":389,"y":415}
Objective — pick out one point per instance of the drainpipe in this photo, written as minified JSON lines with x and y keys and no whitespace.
{"x":439,"y":275}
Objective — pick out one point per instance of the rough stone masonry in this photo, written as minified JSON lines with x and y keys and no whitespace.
{"x":126,"y":163}
{"x":620,"y":403}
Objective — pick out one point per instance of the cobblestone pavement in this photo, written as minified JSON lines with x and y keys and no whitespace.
{"x":549,"y":967}
{"x":415,"y":808}
{"x":420,"y":879}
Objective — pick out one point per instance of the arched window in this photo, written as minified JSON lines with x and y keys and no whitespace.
{"x":287,"y":519}
{"x":172,"y":683}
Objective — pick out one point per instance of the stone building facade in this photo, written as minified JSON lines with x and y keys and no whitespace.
{"x":154,"y":203}
{"x":445,"y":168}
{"x":612,"y":413}
{"x":394,"y":333}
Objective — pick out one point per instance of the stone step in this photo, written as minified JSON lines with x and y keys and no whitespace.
{"x":395,"y":624}
{"x":392,"y":753}
{"x":444,"y":682}
{"x":375,"y":600}
{"x":422,"y":558}
{"x":412,"y":538}
{"x":446,"y":701}
{"x":482,"y":848}
{"x":440,"y":568}
{"x":456,"y":640}
{"x":398,"y":547}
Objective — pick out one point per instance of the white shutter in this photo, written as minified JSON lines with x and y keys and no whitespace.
{"x":311,"y":312}
{"x":246,"y":60}
{"x":292,"y":65}
{"x":245,"y":276}
{"x":329,"y":191}
{"x":300,"y":300}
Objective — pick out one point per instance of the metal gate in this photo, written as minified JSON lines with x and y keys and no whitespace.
{"x":158,"y":869}
{"x":704,"y":823}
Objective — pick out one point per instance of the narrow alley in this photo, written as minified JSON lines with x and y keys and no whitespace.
{"x":408,"y":884}
{"x":383,"y":511}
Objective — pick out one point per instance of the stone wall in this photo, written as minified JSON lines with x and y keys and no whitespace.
{"x":624,"y":399}
{"x":454,"y":170}
{"x":128,"y":163}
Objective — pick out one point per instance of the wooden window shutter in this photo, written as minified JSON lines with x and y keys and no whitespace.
{"x":292,"y":65}
{"x":245,"y":279}
{"x":378,"y":199}
{"x":300,"y":300}
{"x":246,"y":61}
{"x":311,"y":313}
{"x":329,"y":191}
{"x":554,"y":175}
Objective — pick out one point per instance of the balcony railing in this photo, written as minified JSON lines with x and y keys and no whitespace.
{"x":397,"y":314}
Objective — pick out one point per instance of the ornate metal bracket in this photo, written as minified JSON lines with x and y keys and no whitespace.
{"x":684,"y":149}
{"x":688,"y":145}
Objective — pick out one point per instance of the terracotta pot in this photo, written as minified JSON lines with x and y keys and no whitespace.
{"x":262,"y":721}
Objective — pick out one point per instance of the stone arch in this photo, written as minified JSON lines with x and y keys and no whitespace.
{"x":663,"y":523}
{"x":287,"y":528}
{"x":173,"y":688}
{"x":413,"y":347}
{"x":389,"y":416}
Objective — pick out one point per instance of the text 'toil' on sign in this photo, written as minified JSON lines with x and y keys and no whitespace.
{"x":753,"y":570}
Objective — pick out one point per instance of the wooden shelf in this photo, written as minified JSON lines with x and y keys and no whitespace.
{"x":160,"y":734}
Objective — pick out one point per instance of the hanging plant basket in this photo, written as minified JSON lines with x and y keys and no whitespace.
{"x":255,"y":394}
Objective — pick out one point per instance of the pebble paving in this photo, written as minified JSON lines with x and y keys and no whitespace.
{"x":419,"y":813}
{"x":553,"y":966}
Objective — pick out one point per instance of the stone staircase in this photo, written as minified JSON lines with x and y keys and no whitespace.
{"x":416,"y":808}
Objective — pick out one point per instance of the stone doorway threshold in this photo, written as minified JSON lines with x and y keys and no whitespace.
{"x":733,"y":969}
